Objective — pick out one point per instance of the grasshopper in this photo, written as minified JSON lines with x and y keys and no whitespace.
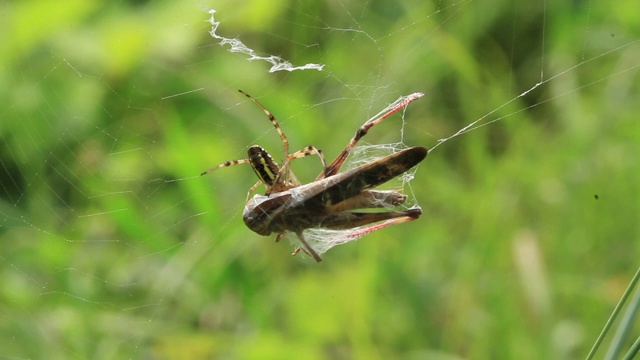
{"x":329,"y":201}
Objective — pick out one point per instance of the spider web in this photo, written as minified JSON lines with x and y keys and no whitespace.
{"x":113,"y":246}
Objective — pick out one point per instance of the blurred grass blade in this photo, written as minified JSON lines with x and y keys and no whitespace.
{"x":617,"y":309}
{"x":623,"y":330}
{"x":633,"y":351}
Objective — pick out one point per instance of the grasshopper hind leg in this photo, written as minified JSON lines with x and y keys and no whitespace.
{"x":306,"y":248}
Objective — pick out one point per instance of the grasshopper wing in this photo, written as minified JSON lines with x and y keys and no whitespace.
{"x":343,"y":186}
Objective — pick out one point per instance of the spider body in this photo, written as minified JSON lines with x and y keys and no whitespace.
{"x":263,"y":165}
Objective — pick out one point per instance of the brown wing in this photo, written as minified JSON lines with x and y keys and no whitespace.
{"x":350,"y":183}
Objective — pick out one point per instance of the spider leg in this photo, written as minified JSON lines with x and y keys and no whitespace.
{"x":232,"y":163}
{"x":309,"y":150}
{"x":336,"y":164}
{"x":252,"y":189}
{"x":285,"y":141}
{"x":285,"y":179}
{"x":226,"y":164}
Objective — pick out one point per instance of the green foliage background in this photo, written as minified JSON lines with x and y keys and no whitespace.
{"x":113,"y":247}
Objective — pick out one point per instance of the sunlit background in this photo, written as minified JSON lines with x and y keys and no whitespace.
{"x":113,"y":246}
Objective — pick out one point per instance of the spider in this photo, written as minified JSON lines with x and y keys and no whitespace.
{"x":328,"y":201}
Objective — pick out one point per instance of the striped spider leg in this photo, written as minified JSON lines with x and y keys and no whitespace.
{"x":275,"y":178}
{"x":327,"y":202}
